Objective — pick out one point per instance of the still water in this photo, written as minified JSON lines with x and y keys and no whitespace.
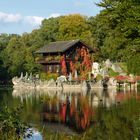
{"x":68,"y":111}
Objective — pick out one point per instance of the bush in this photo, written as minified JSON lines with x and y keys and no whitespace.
{"x":123,"y":66}
{"x":11,"y":126}
{"x":99,"y":77}
{"x":133,"y":64}
{"x":112,"y":73}
{"x":48,"y":76}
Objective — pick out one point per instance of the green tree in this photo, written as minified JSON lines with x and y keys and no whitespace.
{"x":11,"y":127}
{"x":116,"y":29}
{"x":74,"y":27}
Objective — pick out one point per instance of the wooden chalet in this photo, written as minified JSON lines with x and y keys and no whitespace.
{"x":62,"y":56}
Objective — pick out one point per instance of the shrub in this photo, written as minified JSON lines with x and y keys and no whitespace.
{"x":112,"y":73}
{"x":48,"y":76}
{"x":11,"y":126}
{"x":133,"y":64}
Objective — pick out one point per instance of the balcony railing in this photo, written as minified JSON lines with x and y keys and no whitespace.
{"x":48,"y":60}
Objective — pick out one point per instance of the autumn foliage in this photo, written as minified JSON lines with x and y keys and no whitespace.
{"x":80,"y":62}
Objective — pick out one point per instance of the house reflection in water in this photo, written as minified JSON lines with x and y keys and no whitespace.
{"x":75,"y":109}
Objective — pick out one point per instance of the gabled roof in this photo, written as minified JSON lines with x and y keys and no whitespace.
{"x":60,"y":46}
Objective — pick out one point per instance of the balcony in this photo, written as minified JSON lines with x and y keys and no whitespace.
{"x":48,"y":60}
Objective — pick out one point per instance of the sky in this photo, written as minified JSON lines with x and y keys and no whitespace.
{"x":20,"y":16}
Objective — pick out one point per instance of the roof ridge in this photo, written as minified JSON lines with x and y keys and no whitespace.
{"x":64,"y":41}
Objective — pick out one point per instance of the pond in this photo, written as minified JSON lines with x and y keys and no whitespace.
{"x":73,"y":112}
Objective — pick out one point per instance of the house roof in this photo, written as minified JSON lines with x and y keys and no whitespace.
{"x":60,"y":46}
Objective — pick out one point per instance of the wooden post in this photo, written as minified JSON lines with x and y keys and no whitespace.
{"x":136,"y":84}
{"x":130,"y":85}
{"x":119,"y":85}
{"x":124,"y":86}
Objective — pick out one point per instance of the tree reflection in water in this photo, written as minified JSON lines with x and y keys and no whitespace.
{"x":74,"y":109}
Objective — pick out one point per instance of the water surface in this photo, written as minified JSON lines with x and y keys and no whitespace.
{"x":65,"y":111}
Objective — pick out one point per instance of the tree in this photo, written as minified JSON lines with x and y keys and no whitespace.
{"x":117,"y":29}
{"x":74,"y":27}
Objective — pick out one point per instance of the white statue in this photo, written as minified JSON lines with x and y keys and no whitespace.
{"x":70,"y":77}
{"x":95,"y":69}
{"x":61,"y":79}
{"x":21,"y":75}
{"x":108,"y":63}
{"x":75,"y":74}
